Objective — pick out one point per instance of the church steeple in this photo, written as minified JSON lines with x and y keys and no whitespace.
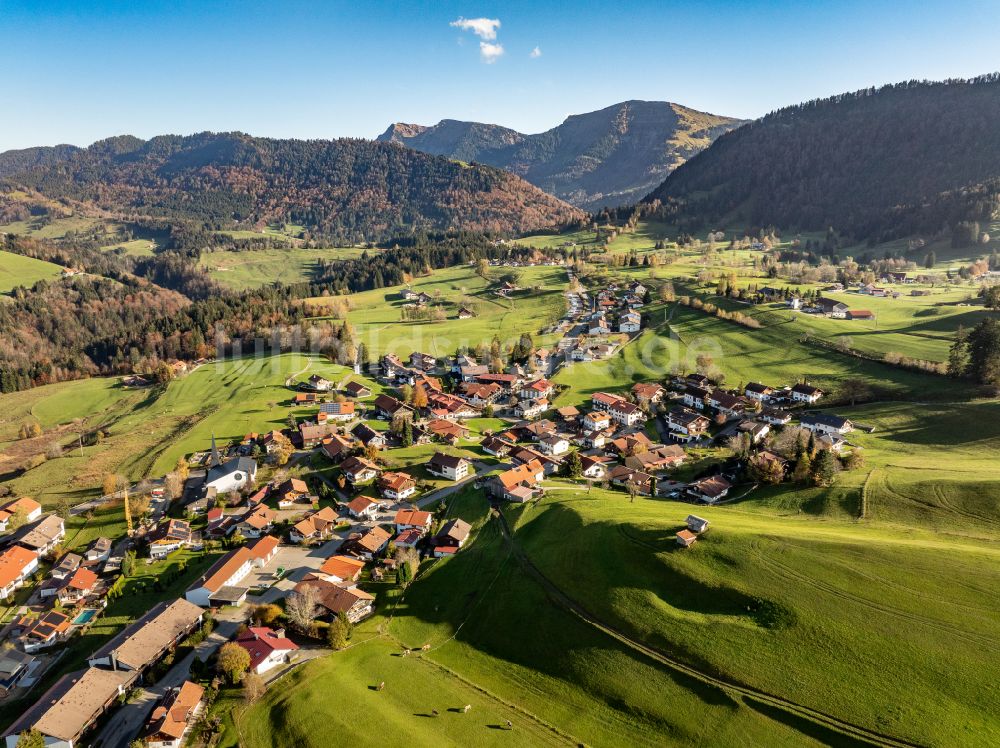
{"x":215,"y":461}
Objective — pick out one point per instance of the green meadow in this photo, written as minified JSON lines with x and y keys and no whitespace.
{"x":17,"y":270}
{"x":260,"y":267}
{"x":148,"y":430}
{"x":377,"y":315}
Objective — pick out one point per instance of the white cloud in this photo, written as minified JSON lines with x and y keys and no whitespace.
{"x":536,"y":52}
{"x":484,"y":28}
{"x":490,"y":52}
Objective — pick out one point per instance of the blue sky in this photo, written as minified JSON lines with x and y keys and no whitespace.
{"x":80,"y":71}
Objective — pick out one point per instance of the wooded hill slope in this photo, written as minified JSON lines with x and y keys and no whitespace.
{"x":610,"y":157}
{"x":349,"y":190}
{"x":12,"y":162}
{"x":878,"y":163}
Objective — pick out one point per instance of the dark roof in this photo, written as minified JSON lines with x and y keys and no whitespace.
{"x":246,"y":465}
{"x":825,"y":419}
{"x":448,"y":461}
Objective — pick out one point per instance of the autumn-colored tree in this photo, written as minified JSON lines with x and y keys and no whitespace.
{"x":234,"y":661}
{"x":181,"y":468}
{"x":420,"y":397}
{"x":253,"y":687}
{"x":265,"y":615}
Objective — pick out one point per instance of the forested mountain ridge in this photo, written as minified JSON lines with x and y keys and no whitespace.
{"x":347,"y":190}
{"x":874,"y":164}
{"x":12,"y":162}
{"x":609,"y":157}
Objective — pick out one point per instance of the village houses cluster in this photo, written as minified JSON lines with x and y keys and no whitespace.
{"x":358,"y":508}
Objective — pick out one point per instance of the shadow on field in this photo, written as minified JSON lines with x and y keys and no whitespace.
{"x":816,"y":731}
{"x":500,"y":610}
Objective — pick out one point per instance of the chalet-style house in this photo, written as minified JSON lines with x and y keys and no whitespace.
{"x":46,"y":631}
{"x":696,"y":397}
{"x":337,"y":447}
{"x":775,"y":416}
{"x":658,"y":459}
{"x":805,"y":393}
{"x":686,"y":425}
{"x":759,"y":392}
{"x":496,"y":446}
{"x":40,"y":537}
{"x":334,"y":598}
{"x":357,"y":389}
{"x":449,"y":467}
{"x":826,"y":423}
{"x":339,"y":412}
{"x":267,"y":648}
{"x":648,"y":393}
{"x":413,"y":519}
{"x":397,"y":486}
{"x":256,"y":523}
{"x":368,"y":436}
{"x":594,"y":467}
{"x":709,"y":490}
{"x":519,"y":484}
{"x":342,"y":568}
{"x":16,"y":565}
{"x":831,"y":308}
{"x":451,"y":538}
{"x":170,"y":535}
{"x":639,"y":481}
{"x":174,"y":716}
{"x":363,"y":507}
{"x":369,"y":544}
{"x":30,"y":510}
{"x":359,"y":471}
{"x":316,"y":525}
{"x":387,"y":408}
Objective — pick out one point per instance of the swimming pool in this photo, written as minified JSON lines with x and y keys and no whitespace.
{"x":86,"y":616}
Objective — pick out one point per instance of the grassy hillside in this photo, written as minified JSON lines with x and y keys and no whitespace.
{"x":147,"y":430}
{"x":259,"y":267}
{"x":376,"y":315}
{"x":491,"y":627}
{"x":17,"y":270}
{"x":852,"y":620}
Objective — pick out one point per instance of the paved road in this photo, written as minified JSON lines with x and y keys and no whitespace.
{"x":434,"y":496}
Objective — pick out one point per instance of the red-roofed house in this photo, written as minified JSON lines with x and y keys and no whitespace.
{"x":78,"y":586}
{"x":267,"y":648}
{"x":363,"y":507}
{"x":172,"y":719}
{"x":413,"y":519}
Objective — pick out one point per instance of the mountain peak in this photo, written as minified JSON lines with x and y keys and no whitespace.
{"x":610,"y":156}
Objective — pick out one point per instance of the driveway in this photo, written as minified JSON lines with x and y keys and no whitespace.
{"x":434,"y":496}
{"x":127,"y":722}
{"x":299,"y":560}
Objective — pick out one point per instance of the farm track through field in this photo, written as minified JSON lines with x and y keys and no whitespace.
{"x":942,"y":503}
{"x":732,"y":689}
{"x":789,"y":572}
